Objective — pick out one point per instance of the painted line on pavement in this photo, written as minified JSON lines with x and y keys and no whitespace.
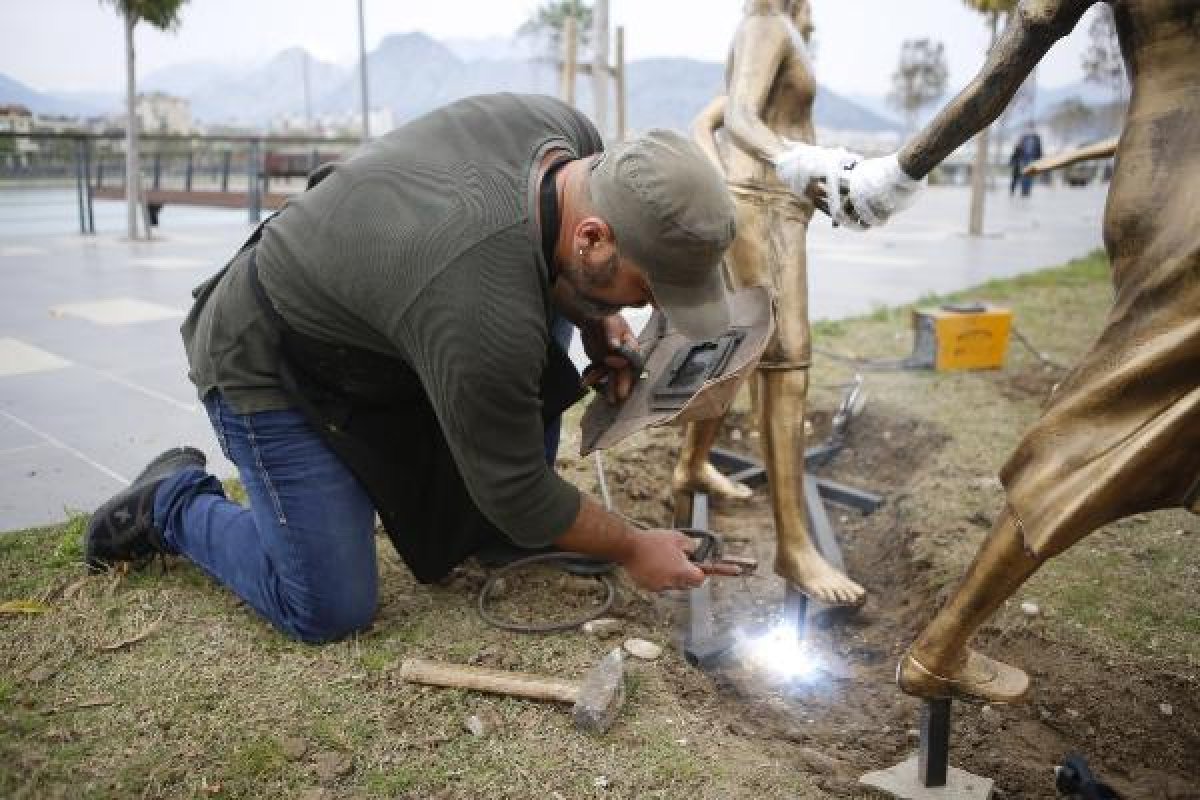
{"x":61,"y":445}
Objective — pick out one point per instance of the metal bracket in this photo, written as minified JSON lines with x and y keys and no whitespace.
{"x":933,"y":754}
{"x":703,"y":648}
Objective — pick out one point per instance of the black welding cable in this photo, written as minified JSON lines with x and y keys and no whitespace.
{"x":566,"y":561}
{"x":574,"y":563}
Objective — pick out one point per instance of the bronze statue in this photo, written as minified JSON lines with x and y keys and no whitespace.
{"x":771,"y":87}
{"x":1121,"y":434}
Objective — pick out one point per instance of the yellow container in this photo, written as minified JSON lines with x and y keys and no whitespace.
{"x":968,"y":336}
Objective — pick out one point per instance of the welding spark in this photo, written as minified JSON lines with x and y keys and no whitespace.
{"x":782,"y":652}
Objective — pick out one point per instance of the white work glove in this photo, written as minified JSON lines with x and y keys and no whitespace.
{"x":801,"y":164}
{"x":877,"y":189}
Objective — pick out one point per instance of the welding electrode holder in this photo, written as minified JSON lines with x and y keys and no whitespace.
{"x":708,"y":545}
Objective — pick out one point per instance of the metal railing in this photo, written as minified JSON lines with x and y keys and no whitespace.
{"x":251,"y":172}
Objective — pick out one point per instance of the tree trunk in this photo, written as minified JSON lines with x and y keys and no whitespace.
{"x":979,"y":171}
{"x":132,"y":183}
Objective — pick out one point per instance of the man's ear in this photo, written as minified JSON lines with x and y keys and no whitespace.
{"x":594,"y":231}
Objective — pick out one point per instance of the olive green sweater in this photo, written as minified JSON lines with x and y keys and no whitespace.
{"x":424,"y":246}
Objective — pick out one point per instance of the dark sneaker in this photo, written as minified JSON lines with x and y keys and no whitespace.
{"x":123,"y":528}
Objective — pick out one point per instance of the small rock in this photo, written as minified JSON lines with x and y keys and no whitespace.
{"x":600,"y":782}
{"x":476,"y":725}
{"x":294,"y":748}
{"x":1072,"y":713}
{"x":1030,"y":609}
{"x":640,"y":648}
{"x":332,"y":765}
{"x":735,"y":435}
{"x":603,"y":627}
{"x":986,"y":710}
{"x":1166,"y":708}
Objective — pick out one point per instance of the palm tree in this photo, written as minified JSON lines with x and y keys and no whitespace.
{"x":164,"y":15}
{"x":993,"y":9}
{"x":548,"y":21}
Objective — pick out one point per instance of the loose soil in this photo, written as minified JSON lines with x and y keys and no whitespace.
{"x":163,"y":685}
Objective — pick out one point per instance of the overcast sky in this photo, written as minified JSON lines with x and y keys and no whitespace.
{"x":77,"y":44}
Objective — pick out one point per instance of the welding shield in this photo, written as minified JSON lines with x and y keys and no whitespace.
{"x":684,"y":380}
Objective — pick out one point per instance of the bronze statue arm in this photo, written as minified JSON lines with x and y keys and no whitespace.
{"x":1104,"y":149}
{"x":705,"y":127}
{"x":1036,"y":25}
{"x":759,"y":49}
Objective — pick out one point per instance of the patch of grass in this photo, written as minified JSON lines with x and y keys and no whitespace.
{"x":393,"y":781}
{"x":235,"y":491}
{"x":69,"y":549}
{"x":255,"y":760}
{"x":1130,"y":586}
{"x":376,"y":660}
{"x":825,"y":328}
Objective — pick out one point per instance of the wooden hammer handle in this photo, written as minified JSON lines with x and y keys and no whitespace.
{"x":497,"y":681}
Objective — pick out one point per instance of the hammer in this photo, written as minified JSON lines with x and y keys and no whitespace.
{"x":596,"y":699}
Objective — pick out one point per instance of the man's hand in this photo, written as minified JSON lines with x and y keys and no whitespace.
{"x":601,"y":340}
{"x":659,"y":561}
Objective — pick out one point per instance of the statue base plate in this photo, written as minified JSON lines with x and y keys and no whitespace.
{"x":903,"y":782}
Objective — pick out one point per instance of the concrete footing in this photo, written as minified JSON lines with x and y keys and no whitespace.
{"x":901,"y":781}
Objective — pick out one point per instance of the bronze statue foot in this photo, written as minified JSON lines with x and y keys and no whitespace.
{"x":813,"y":576}
{"x":709,"y":479}
{"x":976,"y":679}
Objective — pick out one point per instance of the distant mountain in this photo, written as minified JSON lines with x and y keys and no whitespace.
{"x":412,"y":73}
{"x":492,"y":48}
{"x":13,"y":92}
{"x":187,"y":78}
{"x":266,"y":92}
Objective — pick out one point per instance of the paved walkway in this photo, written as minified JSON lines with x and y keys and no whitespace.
{"x":92,"y":375}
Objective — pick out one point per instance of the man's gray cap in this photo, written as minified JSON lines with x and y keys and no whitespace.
{"x":672,"y":215}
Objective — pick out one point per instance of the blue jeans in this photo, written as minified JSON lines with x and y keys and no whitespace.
{"x":303,"y":554}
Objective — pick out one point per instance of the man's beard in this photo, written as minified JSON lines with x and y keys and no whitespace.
{"x":578,"y":279}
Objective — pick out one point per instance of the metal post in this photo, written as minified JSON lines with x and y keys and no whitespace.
{"x":362,"y":71}
{"x":568,"y":65}
{"x":226,"y":157}
{"x":620,"y":72}
{"x":87,"y":184}
{"x":80,"y":181}
{"x":253,"y":197}
{"x":933,"y":755}
{"x":187,"y":175}
{"x":600,"y":72}
{"x":979,"y":171}
{"x":157,"y":184}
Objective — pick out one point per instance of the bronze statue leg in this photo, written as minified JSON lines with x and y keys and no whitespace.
{"x":695,"y":473}
{"x":939,"y":663}
{"x":769,"y":250}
